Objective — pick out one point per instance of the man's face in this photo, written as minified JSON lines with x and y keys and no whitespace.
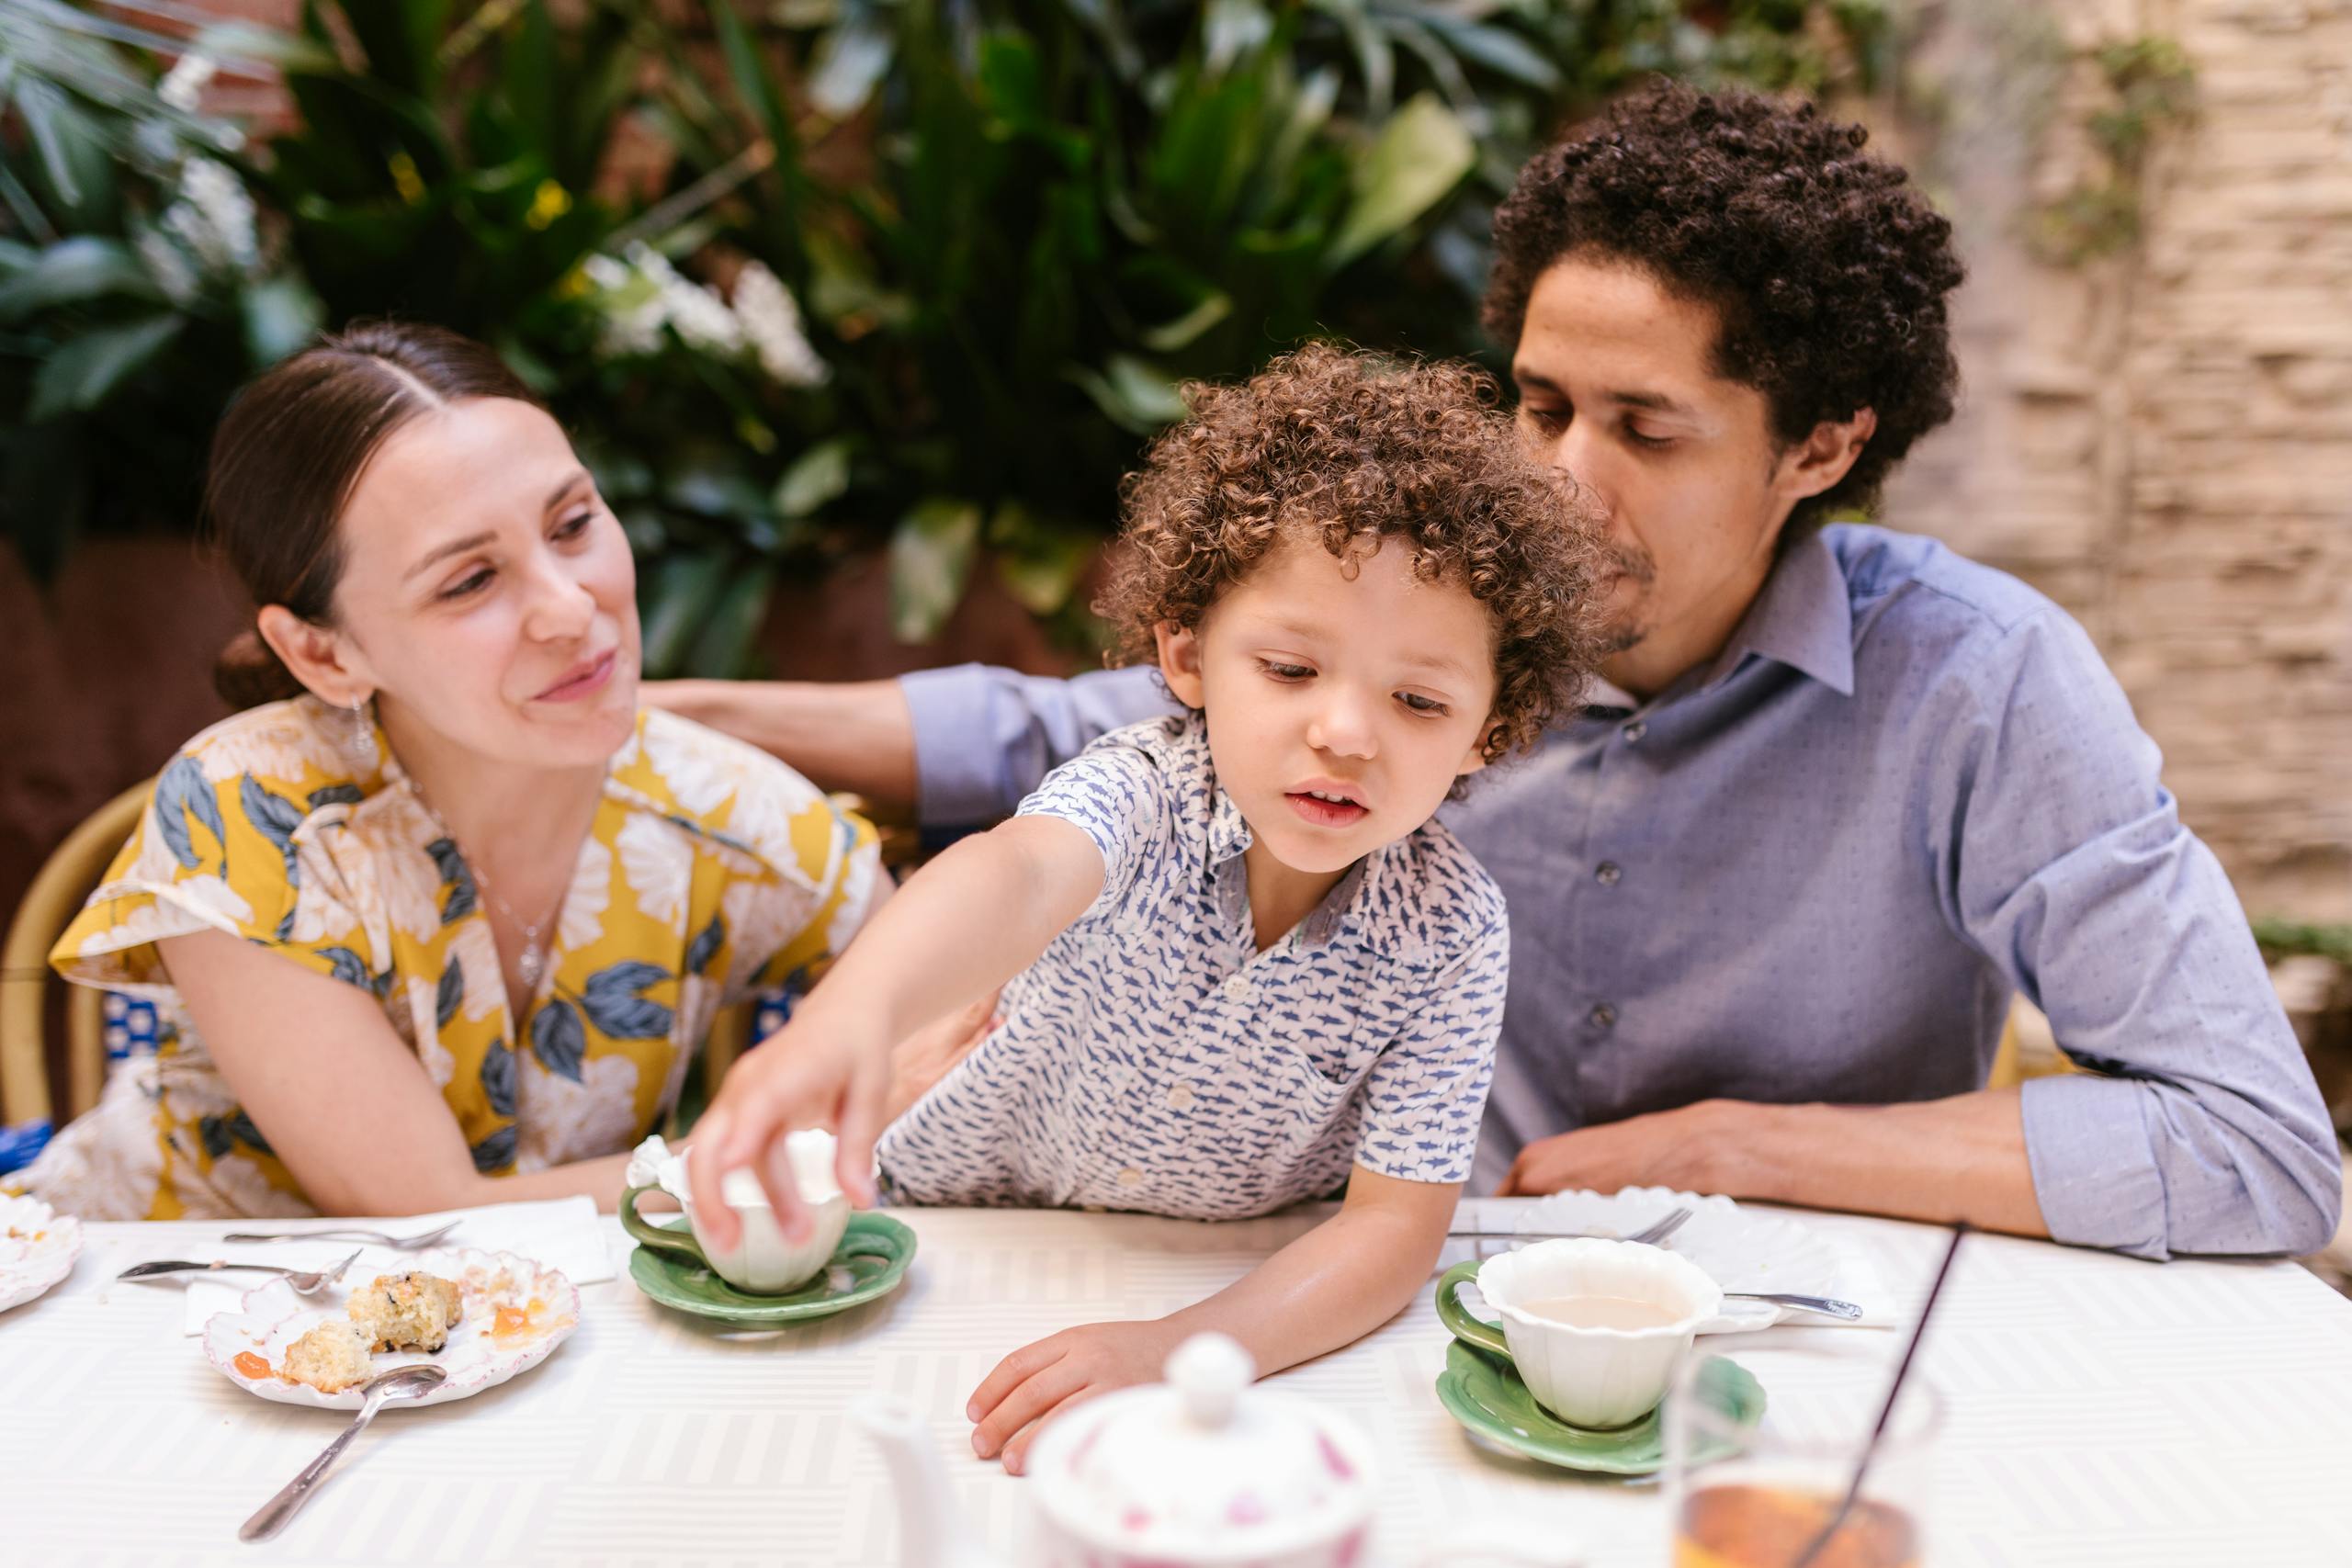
{"x":1617,"y":386}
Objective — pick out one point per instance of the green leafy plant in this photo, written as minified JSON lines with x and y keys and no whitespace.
{"x":2280,"y":938}
{"x":1056,"y":214}
{"x":2147,"y":89}
{"x":137,"y":286}
{"x":813,"y":279}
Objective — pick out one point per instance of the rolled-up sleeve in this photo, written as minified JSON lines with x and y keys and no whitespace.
{"x":2197,"y":1127}
{"x":986,"y":737}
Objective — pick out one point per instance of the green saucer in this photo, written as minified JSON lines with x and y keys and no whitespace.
{"x":1486,"y":1396}
{"x":875,"y":1250}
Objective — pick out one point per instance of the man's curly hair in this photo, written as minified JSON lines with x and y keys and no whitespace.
{"x":1829,"y":271}
{"x":1353,"y":450}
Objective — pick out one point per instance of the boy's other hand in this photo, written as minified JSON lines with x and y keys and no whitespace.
{"x":1038,"y":1382}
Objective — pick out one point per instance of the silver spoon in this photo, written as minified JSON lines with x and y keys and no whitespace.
{"x":306,"y":1283}
{"x":1828,"y":1306}
{"x":398,"y":1243}
{"x":408,"y":1383}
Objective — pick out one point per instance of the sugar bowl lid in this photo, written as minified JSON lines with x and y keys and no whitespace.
{"x":1203,"y":1463}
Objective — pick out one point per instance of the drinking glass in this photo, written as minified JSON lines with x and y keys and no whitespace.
{"x":1758,"y":1497}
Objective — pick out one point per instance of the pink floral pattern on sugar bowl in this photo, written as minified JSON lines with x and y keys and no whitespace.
{"x":515,"y":1311}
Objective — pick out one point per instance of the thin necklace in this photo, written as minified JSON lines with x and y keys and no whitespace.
{"x":531,"y":963}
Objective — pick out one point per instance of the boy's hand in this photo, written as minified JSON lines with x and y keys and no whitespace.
{"x":1041,"y":1380}
{"x":813,"y":1072}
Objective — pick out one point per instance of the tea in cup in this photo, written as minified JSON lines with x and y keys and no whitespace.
{"x":1594,"y":1328}
{"x":762,"y":1262}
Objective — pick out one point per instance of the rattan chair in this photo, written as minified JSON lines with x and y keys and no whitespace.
{"x":49,"y":907}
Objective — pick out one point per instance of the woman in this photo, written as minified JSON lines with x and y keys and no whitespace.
{"x":443,"y":921}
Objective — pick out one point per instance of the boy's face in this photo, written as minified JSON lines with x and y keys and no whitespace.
{"x":1376,"y":688}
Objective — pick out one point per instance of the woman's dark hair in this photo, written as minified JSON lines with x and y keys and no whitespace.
{"x":289,"y":451}
{"x":1828,"y":268}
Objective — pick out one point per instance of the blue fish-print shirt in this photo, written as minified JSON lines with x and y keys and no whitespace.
{"x":1152,"y":1059}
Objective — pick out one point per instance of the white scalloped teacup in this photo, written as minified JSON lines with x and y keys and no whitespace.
{"x":762,"y":1262}
{"x":1597,"y":1378}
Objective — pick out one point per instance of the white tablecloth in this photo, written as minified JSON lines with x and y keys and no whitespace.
{"x":2100,"y":1411}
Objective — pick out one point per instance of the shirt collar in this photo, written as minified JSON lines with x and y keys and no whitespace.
{"x":1803,"y":618}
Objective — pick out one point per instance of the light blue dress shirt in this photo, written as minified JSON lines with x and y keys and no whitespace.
{"x":1816,"y":869}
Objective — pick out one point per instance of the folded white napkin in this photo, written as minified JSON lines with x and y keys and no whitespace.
{"x":563,"y":1232}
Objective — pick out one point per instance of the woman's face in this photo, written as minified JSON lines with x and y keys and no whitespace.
{"x":487,"y":591}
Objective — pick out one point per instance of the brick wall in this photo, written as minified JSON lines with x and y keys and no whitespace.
{"x":2162,"y":439}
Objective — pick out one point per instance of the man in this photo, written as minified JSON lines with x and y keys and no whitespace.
{"x":1842,"y":792}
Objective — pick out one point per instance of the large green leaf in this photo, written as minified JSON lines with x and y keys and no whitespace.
{"x":1420,"y":155}
{"x":74,"y":165}
{"x":931,"y":559}
{"x":1139,"y":394}
{"x":677,"y":600}
{"x":1039,"y":562}
{"x":281,"y":316}
{"x":72,"y":271}
{"x":80,"y":375}
{"x":724,"y":649}
{"x":238,"y":42}
{"x":818,"y":475}
{"x":1497,"y":49}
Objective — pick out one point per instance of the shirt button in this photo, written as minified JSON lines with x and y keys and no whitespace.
{"x":1635,"y":731}
{"x":1131,"y":1177}
{"x":1181,"y":1096}
{"x":1602,"y":1016}
{"x":1607,"y":873}
{"x":1236,"y":990}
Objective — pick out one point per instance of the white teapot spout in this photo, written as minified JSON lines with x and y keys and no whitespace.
{"x":932,"y":1532}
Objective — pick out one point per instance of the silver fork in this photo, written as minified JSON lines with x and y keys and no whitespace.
{"x":306,"y":1283}
{"x":1651,"y":1234}
{"x":398,"y":1243}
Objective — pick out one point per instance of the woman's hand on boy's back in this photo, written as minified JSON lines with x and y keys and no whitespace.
{"x":1011,"y":1406}
{"x":818,"y":1070}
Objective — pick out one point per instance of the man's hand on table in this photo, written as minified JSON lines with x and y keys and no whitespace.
{"x":1040,"y":1381}
{"x":1962,"y":1157}
{"x":1665,"y":1148}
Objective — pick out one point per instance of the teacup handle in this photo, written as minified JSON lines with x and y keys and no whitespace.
{"x":648,"y":1234}
{"x":1456,"y":1317}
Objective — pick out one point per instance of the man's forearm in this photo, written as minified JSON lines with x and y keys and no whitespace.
{"x":1961,"y":1159}
{"x":856,"y":735}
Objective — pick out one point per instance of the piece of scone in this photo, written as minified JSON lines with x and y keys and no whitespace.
{"x":406,"y":1312}
{"x":331,"y":1357}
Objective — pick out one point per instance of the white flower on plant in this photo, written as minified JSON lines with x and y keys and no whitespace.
{"x":185,"y":83}
{"x":702,"y":320}
{"x":640,"y":293}
{"x":771,"y":321}
{"x":214,"y":218}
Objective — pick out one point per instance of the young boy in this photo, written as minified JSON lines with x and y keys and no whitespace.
{"x":1247,"y":967}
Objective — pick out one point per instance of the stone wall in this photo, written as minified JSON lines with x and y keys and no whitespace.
{"x":2162,"y":439}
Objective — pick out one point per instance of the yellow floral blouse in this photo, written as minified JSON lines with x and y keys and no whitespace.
{"x":711,"y":869}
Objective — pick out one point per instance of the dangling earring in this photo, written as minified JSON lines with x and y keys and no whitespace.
{"x":361,"y":741}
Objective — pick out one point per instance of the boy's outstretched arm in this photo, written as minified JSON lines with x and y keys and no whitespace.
{"x":1329,"y":1288}
{"x":970,"y":921}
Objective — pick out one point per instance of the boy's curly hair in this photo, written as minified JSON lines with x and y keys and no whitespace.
{"x":1829,"y":270}
{"x":1351,"y":450}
